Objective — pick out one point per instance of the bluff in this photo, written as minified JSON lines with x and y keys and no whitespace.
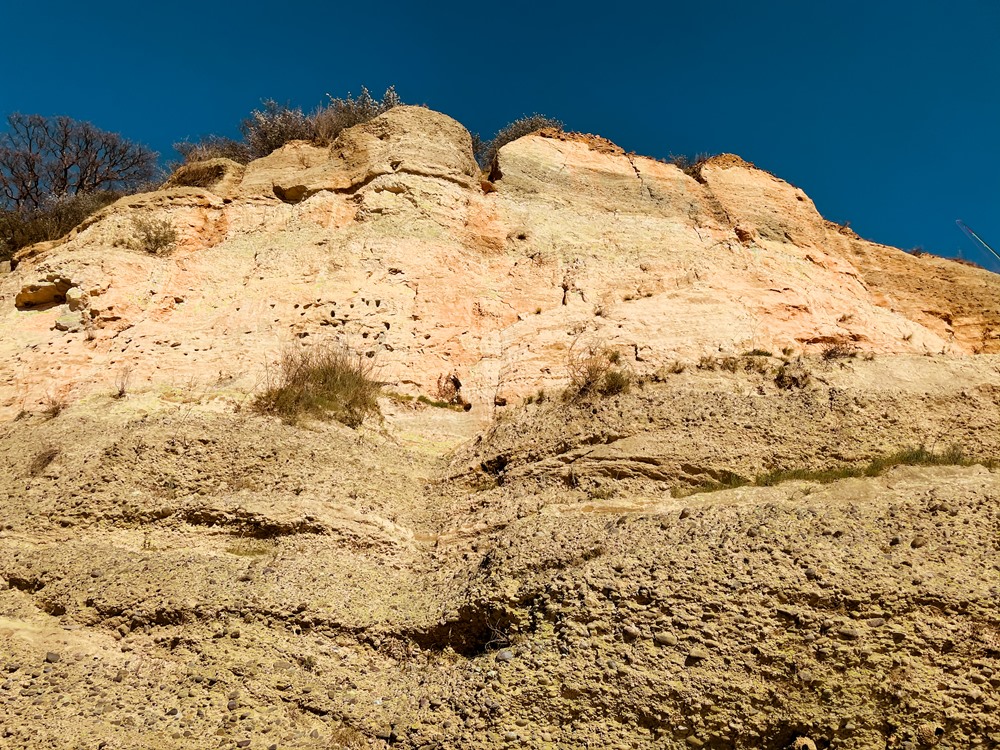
{"x":391,"y":242}
{"x":782,"y":535}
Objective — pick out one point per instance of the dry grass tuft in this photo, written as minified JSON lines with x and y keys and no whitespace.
{"x":323,"y":383}
{"x":53,"y":406}
{"x":597,"y":370}
{"x":41,"y":460}
{"x":153,"y":236}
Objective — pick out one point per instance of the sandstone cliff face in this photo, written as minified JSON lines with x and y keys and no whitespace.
{"x":176,"y":570}
{"x":387,"y":241}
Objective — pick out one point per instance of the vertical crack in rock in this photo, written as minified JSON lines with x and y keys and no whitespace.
{"x":643,"y":187}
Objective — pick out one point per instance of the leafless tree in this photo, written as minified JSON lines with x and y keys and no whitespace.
{"x":46,"y":159}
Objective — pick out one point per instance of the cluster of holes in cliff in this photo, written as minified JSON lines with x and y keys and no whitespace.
{"x":27,"y":585}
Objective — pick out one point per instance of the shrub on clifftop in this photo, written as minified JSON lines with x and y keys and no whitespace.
{"x":486,"y":151}
{"x":271,"y":127}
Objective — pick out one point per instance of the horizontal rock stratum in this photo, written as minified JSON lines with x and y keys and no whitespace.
{"x":390,"y":241}
{"x":783,"y":535}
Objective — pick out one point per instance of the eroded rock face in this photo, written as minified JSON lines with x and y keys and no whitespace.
{"x":49,"y":291}
{"x":330,"y":585}
{"x":386,"y":241}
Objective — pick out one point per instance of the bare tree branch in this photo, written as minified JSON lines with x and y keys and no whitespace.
{"x":44,"y":159}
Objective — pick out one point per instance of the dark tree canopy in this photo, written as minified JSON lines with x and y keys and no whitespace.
{"x":45,"y":159}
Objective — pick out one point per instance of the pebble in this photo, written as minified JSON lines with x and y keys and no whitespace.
{"x":52,"y":657}
{"x":665,"y":639}
{"x":918,"y":541}
{"x":505,"y":655}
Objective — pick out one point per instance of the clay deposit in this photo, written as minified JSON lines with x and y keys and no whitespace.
{"x":547,"y":570}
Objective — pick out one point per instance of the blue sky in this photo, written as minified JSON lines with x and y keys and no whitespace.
{"x":885,"y":113}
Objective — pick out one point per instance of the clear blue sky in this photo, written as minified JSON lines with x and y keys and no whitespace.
{"x":887,"y":113}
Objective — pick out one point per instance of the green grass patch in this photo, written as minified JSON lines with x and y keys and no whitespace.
{"x":250,"y":547}
{"x":433,"y":402}
{"x":919,"y":456}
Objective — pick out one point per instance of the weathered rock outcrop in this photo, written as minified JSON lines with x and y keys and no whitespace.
{"x":386,"y":240}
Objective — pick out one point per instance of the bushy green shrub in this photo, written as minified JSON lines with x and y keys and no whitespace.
{"x":323,"y":382}
{"x":486,"y":152}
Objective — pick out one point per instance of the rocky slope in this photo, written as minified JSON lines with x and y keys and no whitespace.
{"x":177,"y":572}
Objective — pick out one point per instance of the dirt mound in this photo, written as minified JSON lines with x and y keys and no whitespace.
{"x":593,"y":142}
{"x":727,"y":161}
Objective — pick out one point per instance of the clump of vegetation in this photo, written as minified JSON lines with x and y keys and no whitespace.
{"x":153,"y":236}
{"x":199,"y":174}
{"x":919,"y":456}
{"x":53,"y":406}
{"x":41,"y":460}
{"x":55,"y":172}
{"x":688,"y":165}
{"x":708,"y":362}
{"x":729,"y":364}
{"x":273,"y":125}
{"x":323,"y":382}
{"x":53,"y":219}
{"x":213,"y":147}
{"x":339,"y":114}
{"x":486,"y":151}
{"x":122,"y":381}
{"x":792,"y":375}
{"x":597,"y":370}
{"x":839,"y":350}
{"x":248,"y":546}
